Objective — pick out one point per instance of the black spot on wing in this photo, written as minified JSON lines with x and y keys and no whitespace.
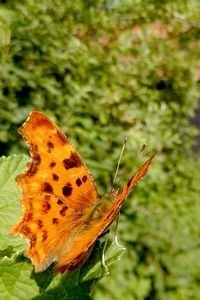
{"x":73,"y":162}
{"x":44,"y":235}
{"x":28,"y":216}
{"x":84,"y":179}
{"x":67,"y":190}
{"x":39,"y":223}
{"x":55,"y":221}
{"x":46,"y":187}
{"x":52,"y":164}
{"x":34,"y":165}
{"x":129,"y":182}
{"x":55,"y":177}
{"x":63,"y":210}
{"x":50,"y":145}
{"x":45,"y":207}
{"x":60,"y":202}
{"x":78,"y":182}
{"x":26,"y":230}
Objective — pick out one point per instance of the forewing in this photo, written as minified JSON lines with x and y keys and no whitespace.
{"x":56,"y":167}
{"x":56,"y":190}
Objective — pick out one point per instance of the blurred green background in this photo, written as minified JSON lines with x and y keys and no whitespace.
{"x":106,"y":70}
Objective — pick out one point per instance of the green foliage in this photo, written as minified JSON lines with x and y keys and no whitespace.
{"x":93,"y":63}
{"x":104,"y":70}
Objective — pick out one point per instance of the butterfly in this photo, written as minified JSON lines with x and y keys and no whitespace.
{"x":63,"y":215}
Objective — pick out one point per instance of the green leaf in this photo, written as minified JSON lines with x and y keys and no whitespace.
{"x":10,"y":209}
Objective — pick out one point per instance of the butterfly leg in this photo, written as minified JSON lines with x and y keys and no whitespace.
{"x":115,"y":230}
{"x":103,"y":259}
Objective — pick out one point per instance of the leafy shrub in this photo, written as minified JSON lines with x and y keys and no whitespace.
{"x":107,"y":70}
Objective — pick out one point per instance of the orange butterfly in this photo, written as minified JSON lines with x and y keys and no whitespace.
{"x":63,"y":214}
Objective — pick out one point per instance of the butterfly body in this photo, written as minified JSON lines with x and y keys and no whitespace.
{"x":63,"y":213}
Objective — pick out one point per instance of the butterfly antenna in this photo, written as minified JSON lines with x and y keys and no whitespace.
{"x":142,"y":148}
{"x":119,"y":160}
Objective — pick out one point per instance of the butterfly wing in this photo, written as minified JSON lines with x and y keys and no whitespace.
{"x":123,"y":194}
{"x":100,"y":217}
{"x":56,"y":167}
{"x":56,"y":190}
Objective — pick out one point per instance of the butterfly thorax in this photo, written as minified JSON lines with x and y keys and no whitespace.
{"x":103,"y":205}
